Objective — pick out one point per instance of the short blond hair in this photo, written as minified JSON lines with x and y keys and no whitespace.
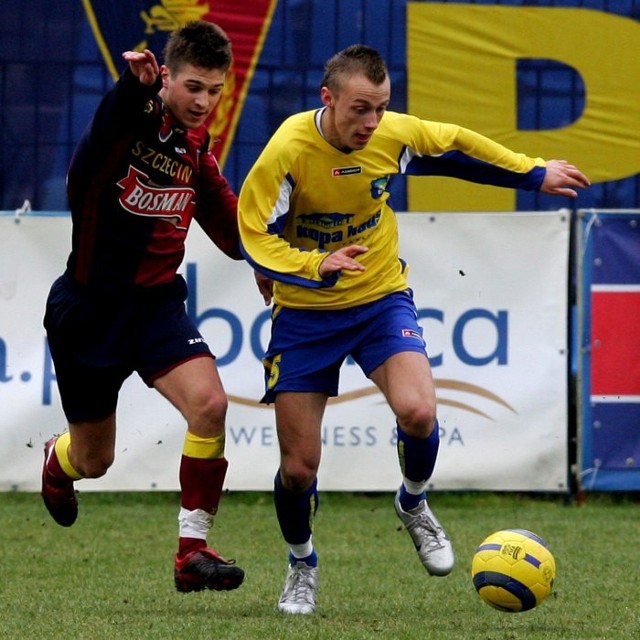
{"x":358,"y":59}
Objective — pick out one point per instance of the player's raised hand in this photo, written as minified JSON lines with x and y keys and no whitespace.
{"x":143,"y":65}
{"x":562,"y":179}
{"x":343,"y":258}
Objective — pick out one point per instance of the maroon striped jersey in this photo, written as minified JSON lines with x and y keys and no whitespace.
{"x":135,"y":182}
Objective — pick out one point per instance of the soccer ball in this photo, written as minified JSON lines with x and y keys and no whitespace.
{"x":513,"y":570}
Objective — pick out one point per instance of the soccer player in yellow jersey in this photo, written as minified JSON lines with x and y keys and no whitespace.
{"x":316,"y":225}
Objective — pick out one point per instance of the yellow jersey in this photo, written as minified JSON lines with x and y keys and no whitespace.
{"x":304,"y":198}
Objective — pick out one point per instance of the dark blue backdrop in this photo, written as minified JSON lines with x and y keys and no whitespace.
{"x":52,"y":76}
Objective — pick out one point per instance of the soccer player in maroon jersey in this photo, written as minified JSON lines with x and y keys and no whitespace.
{"x":141,"y":172}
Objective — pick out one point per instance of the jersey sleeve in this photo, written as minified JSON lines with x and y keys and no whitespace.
{"x":217,"y":207}
{"x":122,"y":106}
{"x":263,"y":212}
{"x":449,"y":150}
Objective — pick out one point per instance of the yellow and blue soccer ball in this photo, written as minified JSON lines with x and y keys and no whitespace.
{"x":513,"y":570}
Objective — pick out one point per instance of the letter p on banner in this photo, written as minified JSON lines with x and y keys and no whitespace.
{"x":462,"y":62}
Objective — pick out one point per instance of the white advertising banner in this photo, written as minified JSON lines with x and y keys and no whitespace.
{"x":491,"y":293}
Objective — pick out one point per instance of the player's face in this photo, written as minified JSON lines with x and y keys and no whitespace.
{"x":354,"y":112}
{"x":191,"y":93}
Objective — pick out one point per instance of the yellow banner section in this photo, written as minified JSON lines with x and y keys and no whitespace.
{"x":462,"y":68}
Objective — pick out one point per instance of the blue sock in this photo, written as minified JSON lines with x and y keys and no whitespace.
{"x":310,"y":560}
{"x":410,"y":500}
{"x":417,"y":458}
{"x":295,"y":511}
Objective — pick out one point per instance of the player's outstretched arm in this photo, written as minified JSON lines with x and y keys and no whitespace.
{"x":562,"y":179}
{"x":143,"y":65}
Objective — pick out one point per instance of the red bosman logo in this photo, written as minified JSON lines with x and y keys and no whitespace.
{"x":173,"y":204}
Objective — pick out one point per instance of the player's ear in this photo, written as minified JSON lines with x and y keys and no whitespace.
{"x":165,"y":73}
{"x":326,"y":97}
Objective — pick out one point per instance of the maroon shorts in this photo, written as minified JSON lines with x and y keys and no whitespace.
{"x":97,"y":342}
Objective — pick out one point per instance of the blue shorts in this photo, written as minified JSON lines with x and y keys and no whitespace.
{"x":307,"y":348}
{"x":96,"y":342}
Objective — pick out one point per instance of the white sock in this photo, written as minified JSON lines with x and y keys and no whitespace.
{"x":194,"y":524}
{"x":302,"y":550}
{"x":414,"y":488}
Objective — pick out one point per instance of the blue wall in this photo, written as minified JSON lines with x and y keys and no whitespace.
{"x":52,"y":77}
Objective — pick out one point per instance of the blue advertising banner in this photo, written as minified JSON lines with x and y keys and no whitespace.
{"x":609,"y":365}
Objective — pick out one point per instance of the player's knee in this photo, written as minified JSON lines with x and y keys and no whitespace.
{"x":297,"y":477}
{"x":210,"y":410}
{"x":419,"y":420}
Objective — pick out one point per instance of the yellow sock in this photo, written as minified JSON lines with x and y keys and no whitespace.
{"x":203,"y":448}
{"x":62,"y":453}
